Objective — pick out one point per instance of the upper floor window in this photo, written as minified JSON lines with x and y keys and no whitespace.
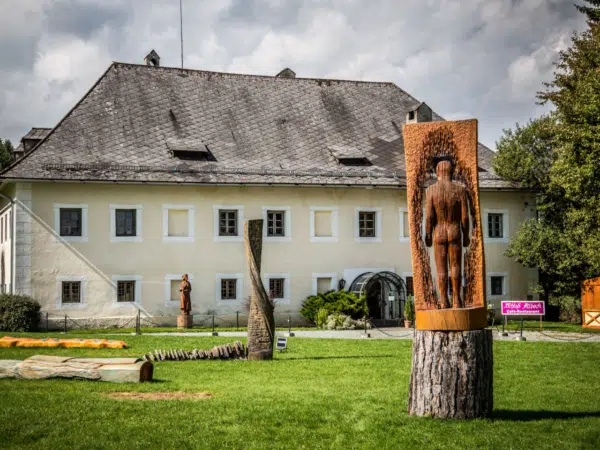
{"x":178,"y":223}
{"x":276,"y":223}
{"x":228,"y":223}
{"x":126,"y":291}
{"x":368,"y":224}
{"x":70,"y":221}
{"x":228,"y":289}
{"x":495,"y":223}
{"x":125,"y":222}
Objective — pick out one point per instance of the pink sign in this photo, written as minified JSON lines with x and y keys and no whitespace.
{"x":524,"y":308}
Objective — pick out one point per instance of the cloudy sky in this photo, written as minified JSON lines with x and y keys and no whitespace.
{"x":465,"y":58}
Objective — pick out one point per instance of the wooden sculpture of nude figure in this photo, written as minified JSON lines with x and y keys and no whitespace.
{"x":446,"y":227}
{"x":185,"y":289}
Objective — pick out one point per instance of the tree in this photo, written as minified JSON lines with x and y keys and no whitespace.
{"x":557,"y":155}
{"x":6,"y":153}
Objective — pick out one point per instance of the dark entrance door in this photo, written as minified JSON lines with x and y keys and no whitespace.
{"x":374,"y":293}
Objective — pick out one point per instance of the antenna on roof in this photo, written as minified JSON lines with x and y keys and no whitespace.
{"x":181,"y":28}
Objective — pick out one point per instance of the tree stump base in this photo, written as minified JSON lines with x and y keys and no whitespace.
{"x":185,"y":321}
{"x":452,"y":374}
{"x":260,"y":355}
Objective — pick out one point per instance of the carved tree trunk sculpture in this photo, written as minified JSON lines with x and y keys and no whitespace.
{"x":261,"y":323}
{"x":452,"y":374}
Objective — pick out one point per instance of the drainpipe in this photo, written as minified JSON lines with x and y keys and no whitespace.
{"x":13,"y":234}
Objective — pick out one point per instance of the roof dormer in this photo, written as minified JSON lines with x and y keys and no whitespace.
{"x":421,"y":113}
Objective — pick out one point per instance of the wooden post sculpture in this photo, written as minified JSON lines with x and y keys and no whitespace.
{"x":452,"y":363}
{"x":185,"y":319}
{"x":261,"y":323}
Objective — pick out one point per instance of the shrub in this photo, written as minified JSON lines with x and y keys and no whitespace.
{"x":569,"y":308}
{"x":342,"y":302}
{"x":491,"y":314}
{"x":409,"y":309}
{"x":18,"y":313}
{"x":339,"y":321}
{"x":322,"y":315}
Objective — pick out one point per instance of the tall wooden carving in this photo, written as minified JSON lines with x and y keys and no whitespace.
{"x":261,"y":322}
{"x":452,"y":352}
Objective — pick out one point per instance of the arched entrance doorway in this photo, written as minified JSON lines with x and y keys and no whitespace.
{"x":386,"y":295}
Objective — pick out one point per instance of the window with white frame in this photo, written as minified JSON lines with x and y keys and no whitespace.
{"x":367,"y":222}
{"x":126,"y":223}
{"x":228,"y":223}
{"x":278,"y":286}
{"x":127,"y":289}
{"x":71,"y":291}
{"x":71,"y":222}
{"x":323,"y":224}
{"x":404,"y":227}
{"x":172,"y":285}
{"x":178,"y":223}
{"x":229,"y":287}
{"x":324,"y":282}
{"x":497,"y":284}
{"x":277,"y":223}
{"x":495,"y":222}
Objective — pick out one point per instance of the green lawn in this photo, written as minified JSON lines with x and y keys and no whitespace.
{"x":321,"y":394}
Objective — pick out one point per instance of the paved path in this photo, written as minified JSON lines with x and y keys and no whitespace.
{"x":403,"y":333}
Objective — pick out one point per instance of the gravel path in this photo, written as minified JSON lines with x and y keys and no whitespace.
{"x":403,"y":333}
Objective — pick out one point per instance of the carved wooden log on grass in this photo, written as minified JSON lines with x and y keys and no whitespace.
{"x":452,"y":374}
{"x":261,"y":322}
{"x":225,"y":351}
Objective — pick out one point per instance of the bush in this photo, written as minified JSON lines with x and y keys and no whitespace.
{"x":409,"y":309}
{"x":342,"y":302}
{"x":18,"y":313}
{"x":339,"y":321}
{"x":569,"y":308}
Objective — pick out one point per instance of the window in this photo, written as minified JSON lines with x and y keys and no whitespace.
{"x":275,"y":223}
{"x":495,"y":225}
{"x":323,"y":224}
{"x":228,"y":223}
{"x":126,"y":291}
{"x":70,"y":222}
{"x":171,"y":289}
{"x":323,"y":285}
{"x":409,"y":286}
{"x":178,"y":223}
{"x":366,"y":224}
{"x":228,"y":289}
{"x":125,"y":222}
{"x":276,"y":288}
{"x":497,"y":285}
{"x":324,"y":282}
{"x":71,"y":292}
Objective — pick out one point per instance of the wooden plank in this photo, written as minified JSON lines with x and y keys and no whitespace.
{"x":106,"y":360}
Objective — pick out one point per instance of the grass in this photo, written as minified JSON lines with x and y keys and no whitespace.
{"x":534,"y":325}
{"x":320,"y":394}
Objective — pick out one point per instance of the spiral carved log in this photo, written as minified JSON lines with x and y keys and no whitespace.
{"x":261,"y":322}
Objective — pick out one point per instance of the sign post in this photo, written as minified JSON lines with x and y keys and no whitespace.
{"x":523,"y":308}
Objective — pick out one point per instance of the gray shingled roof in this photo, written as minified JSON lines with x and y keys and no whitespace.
{"x":37,"y":133}
{"x":259,"y":129}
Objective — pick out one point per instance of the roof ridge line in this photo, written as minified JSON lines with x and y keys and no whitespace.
{"x":237,"y":74}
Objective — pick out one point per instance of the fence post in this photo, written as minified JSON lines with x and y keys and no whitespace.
{"x":138,"y":323}
{"x":214,"y":333}
{"x":46,"y":322}
{"x":290,"y":334}
{"x":65,"y":329}
{"x":237,"y":321}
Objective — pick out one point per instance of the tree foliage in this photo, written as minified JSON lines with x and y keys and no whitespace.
{"x":6,"y":153}
{"x":558,"y":155}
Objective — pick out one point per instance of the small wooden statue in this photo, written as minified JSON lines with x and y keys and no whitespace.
{"x":185,"y":289}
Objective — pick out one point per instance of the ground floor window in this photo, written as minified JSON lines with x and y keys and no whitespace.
{"x":409,"y":286}
{"x":228,"y":289}
{"x":497,"y":285}
{"x":71,"y":292}
{"x":126,"y":291}
{"x":276,"y":287}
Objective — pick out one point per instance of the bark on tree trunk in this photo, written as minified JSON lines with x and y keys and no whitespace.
{"x":261,"y":322}
{"x":452,"y":374}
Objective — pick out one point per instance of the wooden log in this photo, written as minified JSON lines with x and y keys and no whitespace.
{"x":261,"y":322}
{"x":452,"y":374}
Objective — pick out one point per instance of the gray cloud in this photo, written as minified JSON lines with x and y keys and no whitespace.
{"x":466,"y":58}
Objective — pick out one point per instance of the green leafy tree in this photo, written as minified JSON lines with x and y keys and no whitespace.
{"x":6,"y":153}
{"x":558,"y":156}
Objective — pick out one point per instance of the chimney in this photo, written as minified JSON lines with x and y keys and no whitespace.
{"x":152,"y":59}
{"x":286,"y":73}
